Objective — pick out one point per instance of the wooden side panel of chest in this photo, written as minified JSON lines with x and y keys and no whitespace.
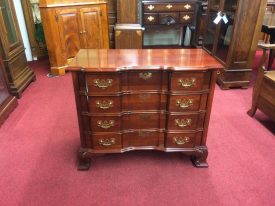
{"x":144,"y":109}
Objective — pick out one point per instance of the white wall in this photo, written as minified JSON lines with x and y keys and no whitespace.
{"x":23,"y":29}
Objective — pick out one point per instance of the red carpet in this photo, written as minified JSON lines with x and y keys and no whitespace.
{"x":38,"y":145}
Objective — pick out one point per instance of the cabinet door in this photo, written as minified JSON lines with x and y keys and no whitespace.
{"x":92,"y":28}
{"x":10,"y":35}
{"x":68,"y":25}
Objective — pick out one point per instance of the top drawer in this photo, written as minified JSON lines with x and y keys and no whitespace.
{"x":190,"y":81}
{"x":103,"y":83}
{"x":168,"y":7}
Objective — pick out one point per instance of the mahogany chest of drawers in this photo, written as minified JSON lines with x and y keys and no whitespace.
{"x":143,"y":100}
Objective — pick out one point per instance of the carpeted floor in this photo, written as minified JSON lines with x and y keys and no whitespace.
{"x":39,"y":140}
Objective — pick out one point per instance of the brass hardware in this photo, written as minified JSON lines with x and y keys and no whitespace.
{"x":184,"y":103}
{"x":107,"y":142}
{"x":181,"y":140}
{"x":186,"y":17}
{"x":104,"y":104}
{"x":144,"y":133}
{"x":151,"y":7}
{"x":218,"y":72}
{"x":187,"y":6}
{"x":82,"y":32}
{"x":187,"y":82}
{"x":144,"y":97}
{"x":169,"y":6}
{"x":183,"y":122}
{"x":151,"y":18}
{"x":105,"y":124}
{"x":145,"y":76}
{"x":144,"y":116}
{"x":102,"y":83}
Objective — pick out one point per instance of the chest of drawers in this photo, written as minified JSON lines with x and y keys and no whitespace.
{"x":143,"y":100}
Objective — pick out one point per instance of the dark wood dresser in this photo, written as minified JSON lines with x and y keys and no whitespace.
{"x":143,"y":100}
{"x":166,"y":21}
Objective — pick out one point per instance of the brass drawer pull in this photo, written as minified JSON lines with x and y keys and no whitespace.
{"x":187,"y":6}
{"x":151,"y":7}
{"x":181,"y":140}
{"x":104,"y":104}
{"x":102,"y":83}
{"x":184,"y":103}
{"x":151,"y":18}
{"x":169,"y":6}
{"x":186,"y":17}
{"x":105,"y":124}
{"x":145,"y":75}
{"x":183,"y":122}
{"x":144,"y":97}
{"x":107,"y":142}
{"x":187,"y":82}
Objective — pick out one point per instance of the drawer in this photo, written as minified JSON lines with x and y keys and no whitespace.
{"x":145,"y":81}
{"x":168,"y":18}
{"x":183,"y":140}
{"x":144,"y":102}
{"x":168,"y":7}
{"x":186,"y":17}
{"x":107,"y":142}
{"x":105,"y":123}
{"x":141,"y":138}
{"x":103,"y":83}
{"x":150,"y":19}
{"x":144,"y":121}
{"x":185,"y":122}
{"x":17,"y":66}
{"x":107,"y":104}
{"x":190,"y":81}
{"x":187,"y":103}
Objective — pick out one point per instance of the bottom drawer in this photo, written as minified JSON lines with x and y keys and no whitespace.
{"x":107,"y":141}
{"x":183,"y":140}
{"x":141,"y":138}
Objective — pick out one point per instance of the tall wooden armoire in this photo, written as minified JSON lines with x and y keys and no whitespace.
{"x":12,"y":50}
{"x":234,"y":42}
{"x":71,"y":25}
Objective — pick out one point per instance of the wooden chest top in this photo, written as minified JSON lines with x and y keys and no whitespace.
{"x":112,"y":60}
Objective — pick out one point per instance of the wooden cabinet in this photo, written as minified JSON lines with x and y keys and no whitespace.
{"x":128,"y":31}
{"x":128,"y":36}
{"x":143,"y":99}
{"x":70,"y":26}
{"x":7,"y":101}
{"x":234,"y":42}
{"x":12,"y":50}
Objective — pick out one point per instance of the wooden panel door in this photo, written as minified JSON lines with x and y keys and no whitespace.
{"x":68,"y":25}
{"x":10,"y":35}
{"x":93,"y":28}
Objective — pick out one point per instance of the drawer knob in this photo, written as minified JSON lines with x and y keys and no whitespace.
{"x":169,"y":6}
{"x":145,"y":76}
{"x":151,"y":18}
{"x":107,"y":142}
{"x":104,"y":104}
{"x":103,"y":83}
{"x":187,"y":82}
{"x":183,"y":122}
{"x":184,"y":103}
{"x":181,"y":140}
{"x":105,"y":124}
{"x":151,"y":7}
{"x":186,"y":17}
{"x":187,"y":6}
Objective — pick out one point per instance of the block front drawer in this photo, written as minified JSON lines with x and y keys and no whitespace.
{"x":167,"y":7}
